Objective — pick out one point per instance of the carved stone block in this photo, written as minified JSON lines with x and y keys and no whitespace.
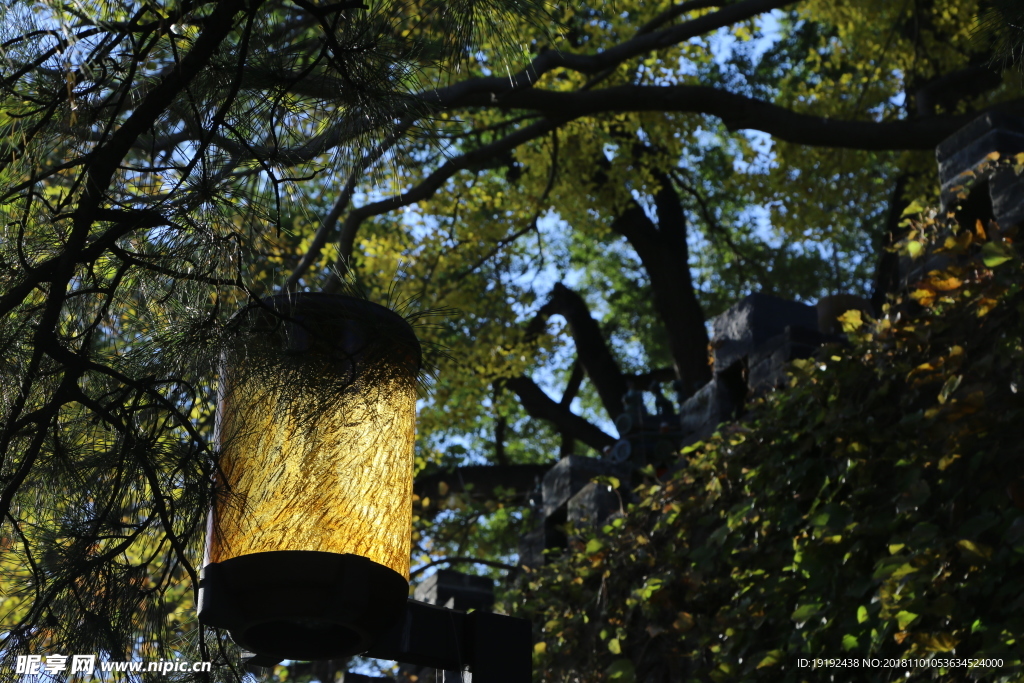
{"x":569,"y":475}
{"x":593,"y":504}
{"x":962,"y":153}
{"x":455,"y":590}
{"x":753,"y":321}
{"x":715,"y":402}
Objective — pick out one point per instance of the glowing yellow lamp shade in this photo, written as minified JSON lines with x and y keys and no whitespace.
{"x":309,"y":538}
{"x":340,"y":482}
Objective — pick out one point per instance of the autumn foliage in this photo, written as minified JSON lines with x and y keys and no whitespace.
{"x":875,"y":508}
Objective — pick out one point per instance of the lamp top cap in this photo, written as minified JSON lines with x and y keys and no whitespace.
{"x":334,"y":319}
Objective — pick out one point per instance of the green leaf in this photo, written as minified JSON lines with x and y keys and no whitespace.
{"x":895,"y":565}
{"x":594,"y":546}
{"x":862,"y":614}
{"x":805,"y":612}
{"x":905,"y":619}
{"x":974,"y":552}
{"x":614,"y":646}
{"x":912,"y":209}
{"x":996,"y":253}
{"x":719,"y":535}
{"x":607,"y":480}
{"x":771,"y":658}
{"x":951,"y":385}
{"x":849,"y":642}
{"x":820,"y":519}
{"x":621,"y":670}
{"x":923,"y":533}
{"x":651,"y":587}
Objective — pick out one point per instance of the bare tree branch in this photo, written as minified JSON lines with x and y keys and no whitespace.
{"x":592,"y":351}
{"x":675,"y":11}
{"x":482,"y":481}
{"x":572,"y":387}
{"x":431,"y":184}
{"x":717,"y":231}
{"x":459,"y":560}
{"x":541,"y":406}
{"x":739,"y":112}
{"x":330,"y":221}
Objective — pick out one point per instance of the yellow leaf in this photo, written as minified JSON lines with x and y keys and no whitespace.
{"x":913,"y":208}
{"x":541,"y":647}
{"x":974,"y":551}
{"x":851,"y":321}
{"x":935,"y":642}
{"x":923,"y":367}
{"x":985,"y":305}
{"x":950,"y":386}
{"x":925,"y":297}
{"x":945,"y":284}
{"x":684,"y":622}
{"x":903,"y":570}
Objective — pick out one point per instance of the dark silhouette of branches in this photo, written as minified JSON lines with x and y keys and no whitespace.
{"x":145,"y":156}
{"x":459,"y":560}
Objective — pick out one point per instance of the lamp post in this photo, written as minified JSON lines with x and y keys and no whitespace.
{"x":308,"y":544}
{"x":308,"y":541}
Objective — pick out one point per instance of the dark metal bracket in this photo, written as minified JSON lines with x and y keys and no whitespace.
{"x":495,"y":648}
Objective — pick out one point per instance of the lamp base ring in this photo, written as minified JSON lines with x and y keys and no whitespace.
{"x":302,"y":604}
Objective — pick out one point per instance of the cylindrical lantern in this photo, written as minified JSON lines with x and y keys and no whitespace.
{"x":307,"y":552}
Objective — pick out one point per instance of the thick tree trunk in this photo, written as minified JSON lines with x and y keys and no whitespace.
{"x":664,"y":253}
